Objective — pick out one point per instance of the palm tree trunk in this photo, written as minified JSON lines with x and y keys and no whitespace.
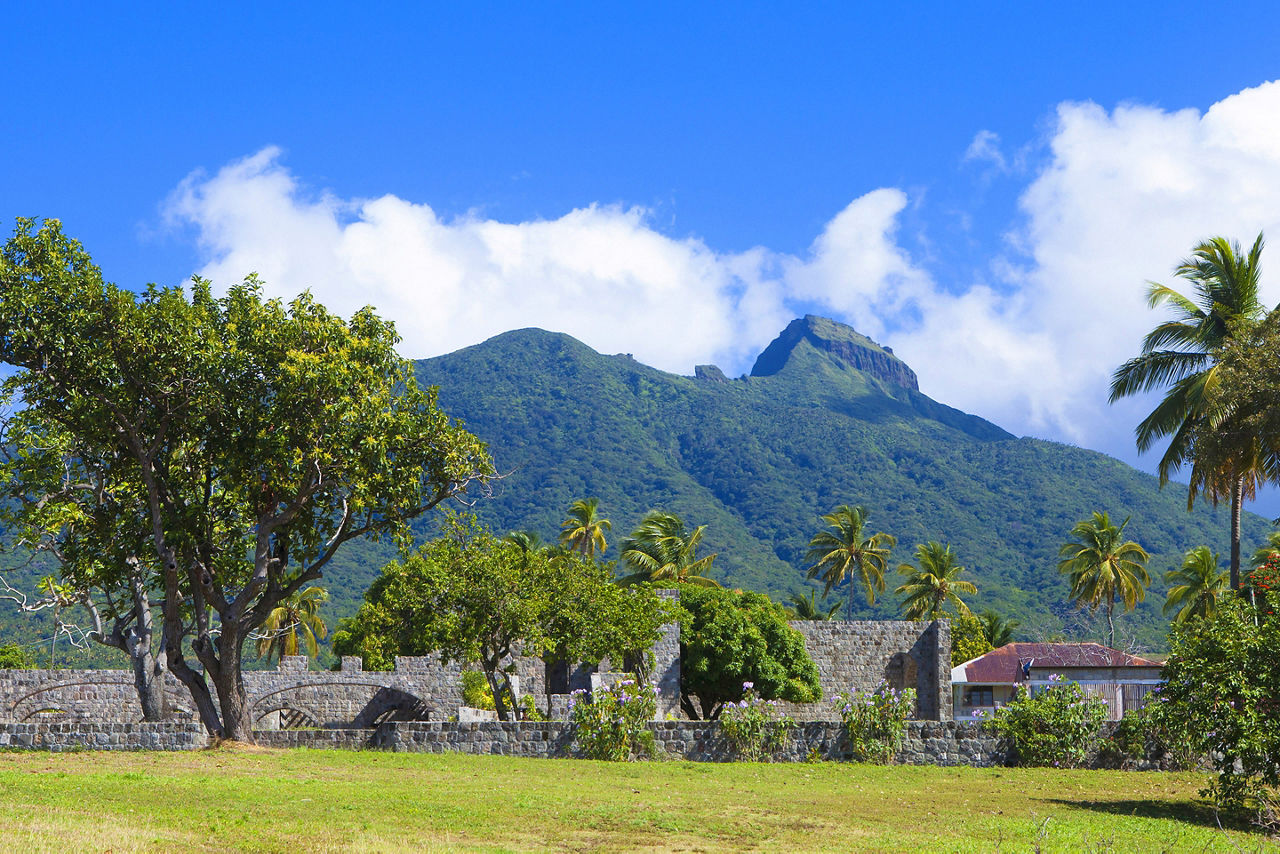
{"x":1111,"y":623}
{"x":1237,"y":498}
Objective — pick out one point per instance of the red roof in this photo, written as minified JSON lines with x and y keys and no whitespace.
{"x":1004,"y":665}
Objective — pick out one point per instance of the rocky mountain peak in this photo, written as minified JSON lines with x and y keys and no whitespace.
{"x":842,"y":343}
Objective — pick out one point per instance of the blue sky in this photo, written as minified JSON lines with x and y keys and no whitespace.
{"x":984,"y":187}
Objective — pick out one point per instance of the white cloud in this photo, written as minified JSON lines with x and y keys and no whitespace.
{"x":599,"y":273}
{"x":985,"y":147}
{"x":1123,"y":195}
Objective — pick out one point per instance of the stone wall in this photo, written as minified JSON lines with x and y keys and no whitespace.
{"x":419,"y":687}
{"x":858,"y":655}
{"x":851,"y":656}
{"x":83,"y":735}
{"x":926,"y":742}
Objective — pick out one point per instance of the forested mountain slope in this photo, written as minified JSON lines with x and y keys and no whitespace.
{"x":826,"y":417}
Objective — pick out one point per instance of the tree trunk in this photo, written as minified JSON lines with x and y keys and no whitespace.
{"x":1237,"y":498}
{"x":499,"y":692}
{"x":148,"y":675}
{"x":1111,"y":623}
{"x":237,"y":718}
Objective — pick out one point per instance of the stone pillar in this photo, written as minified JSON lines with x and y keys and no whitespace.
{"x":293,"y":664}
{"x":352,"y":664}
{"x":666,"y":665}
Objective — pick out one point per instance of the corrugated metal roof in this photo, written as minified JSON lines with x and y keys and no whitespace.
{"x":1004,"y":665}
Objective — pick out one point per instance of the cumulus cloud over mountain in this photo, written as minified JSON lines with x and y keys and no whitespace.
{"x":1120,"y":197}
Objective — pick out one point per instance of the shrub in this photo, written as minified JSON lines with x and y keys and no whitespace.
{"x":613,"y":723}
{"x":1056,"y":727}
{"x":1144,"y":735}
{"x":875,"y":723}
{"x":1221,"y":688}
{"x":476,"y":692}
{"x":755,"y":728}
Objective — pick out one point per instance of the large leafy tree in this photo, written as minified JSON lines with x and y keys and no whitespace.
{"x":297,"y":617}
{"x":662,"y":549}
{"x":584,"y":531}
{"x":476,"y":599}
{"x":934,"y":584}
{"x":730,"y":638}
{"x":1196,"y":586}
{"x":843,"y":551}
{"x":1102,"y":567}
{"x":257,"y":438}
{"x":1182,"y":356}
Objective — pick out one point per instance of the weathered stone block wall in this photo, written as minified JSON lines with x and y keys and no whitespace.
{"x":858,"y":655}
{"x":926,"y":742}
{"x":83,"y":735}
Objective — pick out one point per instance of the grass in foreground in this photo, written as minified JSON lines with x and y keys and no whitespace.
{"x":338,"y":801}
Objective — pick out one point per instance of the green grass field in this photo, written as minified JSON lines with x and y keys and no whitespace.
{"x":338,"y":801}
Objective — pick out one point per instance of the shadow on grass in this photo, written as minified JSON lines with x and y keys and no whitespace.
{"x":1188,"y":813}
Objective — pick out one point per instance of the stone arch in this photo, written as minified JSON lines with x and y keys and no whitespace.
{"x":284,"y":717}
{"x":48,"y":713}
{"x":83,"y":699}
{"x":392,"y":704}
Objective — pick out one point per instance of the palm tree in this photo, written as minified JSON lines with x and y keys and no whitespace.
{"x":663,"y":549}
{"x":1182,"y":355}
{"x":1102,"y":566}
{"x":997,"y":628}
{"x":584,"y":530}
{"x":842,"y":551}
{"x":807,"y":607}
{"x":297,"y":615}
{"x":934,"y":584}
{"x":529,"y":542}
{"x":1200,"y":582}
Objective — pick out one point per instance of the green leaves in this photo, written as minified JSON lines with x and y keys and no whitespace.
{"x":731,"y":638}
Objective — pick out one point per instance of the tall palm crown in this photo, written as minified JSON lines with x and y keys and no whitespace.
{"x":662,"y":548}
{"x":584,"y":530}
{"x":1102,"y":565}
{"x":299,"y":615}
{"x":1182,"y":355}
{"x":934,"y":584}
{"x":843,"y":551}
{"x":1195,"y":587}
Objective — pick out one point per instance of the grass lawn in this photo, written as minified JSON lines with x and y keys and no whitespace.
{"x":338,"y":801}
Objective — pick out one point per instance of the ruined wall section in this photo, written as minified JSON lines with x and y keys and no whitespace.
{"x":858,"y":655}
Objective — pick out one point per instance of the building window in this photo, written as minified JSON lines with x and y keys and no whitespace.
{"x":979,"y":696}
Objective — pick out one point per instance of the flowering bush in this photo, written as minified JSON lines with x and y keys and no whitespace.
{"x":755,"y":728}
{"x":613,"y":723}
{"x":1055,"y":727}
{"x":876,"y":722}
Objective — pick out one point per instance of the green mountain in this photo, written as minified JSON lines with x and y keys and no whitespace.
{"x":826,"y":417}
